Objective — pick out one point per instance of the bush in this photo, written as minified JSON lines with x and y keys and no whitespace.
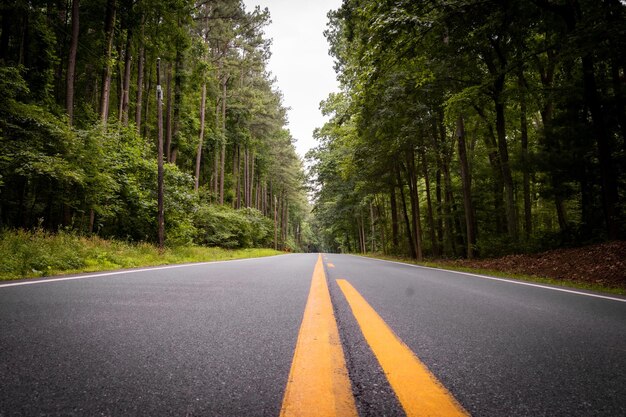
{"x":38,"y":252}
{"x":225,"y":227}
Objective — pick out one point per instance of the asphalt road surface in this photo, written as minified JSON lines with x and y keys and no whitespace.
{"x":218,"y":339}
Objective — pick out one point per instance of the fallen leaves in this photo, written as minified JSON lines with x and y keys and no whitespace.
{"x":603,"y":264}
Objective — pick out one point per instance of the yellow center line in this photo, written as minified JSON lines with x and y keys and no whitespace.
{"x":418,"y":390}
{"x":330,"y":265}
{"x":318,"y":382}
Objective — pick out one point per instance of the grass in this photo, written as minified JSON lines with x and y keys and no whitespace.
{"x":29,"y":254}
{"x":501,"y":274}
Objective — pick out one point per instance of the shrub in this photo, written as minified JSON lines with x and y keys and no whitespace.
{"x":225,"y":227}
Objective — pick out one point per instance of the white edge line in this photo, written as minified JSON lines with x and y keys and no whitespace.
{"x":126,"y":271}
{"x":500,"y":279}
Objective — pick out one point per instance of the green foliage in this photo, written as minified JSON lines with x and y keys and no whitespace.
{"x":96,"y":172}
{"x":224,"y":227}
{"x":39,"y":253}
{"x":539,"y":89}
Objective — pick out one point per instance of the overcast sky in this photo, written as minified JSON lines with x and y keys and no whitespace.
{"x":300,"y":61}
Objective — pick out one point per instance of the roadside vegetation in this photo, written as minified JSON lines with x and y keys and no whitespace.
{"x":473,"y":129}
{"x":27,"y":254}
{"x":600,"y":267}
{"x":85,"y":139}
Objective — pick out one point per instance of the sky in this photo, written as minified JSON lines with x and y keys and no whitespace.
{"x":300,"y":61}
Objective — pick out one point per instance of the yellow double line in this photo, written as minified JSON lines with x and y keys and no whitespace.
{"x":319,"y":385}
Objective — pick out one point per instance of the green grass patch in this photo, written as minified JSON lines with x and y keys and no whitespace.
{"x":29,"y":254}
{"x":501,"y":274}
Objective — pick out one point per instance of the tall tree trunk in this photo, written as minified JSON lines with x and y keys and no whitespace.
{"x":394,"y":215}
{"x":439,"y":209}
{"x":71,"y":62}
{"x":140,"y":71}
{"x":546,"y":74}
{"x":262,"y":204}
{"x":126,"y":86}
{"x":223,"y":156}
{"x":448,"y":205}
{"x":245,"y":176}
{"x":415,"y":204}
{"x":362,"y":239}
{"x":216,"y":153}
{"x":259,"y":191}
{"x":109,"y":25}
{"x":382,"y":215}
{"x":168,"y":113}
{"x":525,"y":162}
{"x":511,"y":212}
{"x":429,"y":206}
{"x":160,"y":191}
{"x":146,"y":125}
{"x":120,"y":70}
{"x":494,"y":162}
{"x":178,"y":98}
{"x":251,"y":177}
{"x":275,"y":224}
{"x":470,"y":223}
{"x":285,"y":221}
{"x":443,"y":152}
{"x":201,"y":138}
{"x":405,"y":213}
{"x":373,"y":230}
{"x":237,"y":173}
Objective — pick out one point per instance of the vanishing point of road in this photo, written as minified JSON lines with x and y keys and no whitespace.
{"x":308,"y":335}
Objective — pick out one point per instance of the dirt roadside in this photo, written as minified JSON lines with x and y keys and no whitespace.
{"x":603,"y":264}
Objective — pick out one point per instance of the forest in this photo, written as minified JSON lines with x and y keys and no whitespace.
{"x":462,"y":128}
{"x":102,"y":100}
{"x":473,"y":128}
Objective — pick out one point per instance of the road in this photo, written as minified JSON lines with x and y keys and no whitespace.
{"x":292,"y":334}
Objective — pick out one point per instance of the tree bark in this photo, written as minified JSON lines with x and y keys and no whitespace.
{"x":415,"y":204}
{"x":223,"y":156}
{"x":285,"y":221}
{"x":160,"y":190}
{"x":140,"y":71}
{"x":109,"y":25}
{"x":494,"y":162}
{"x":394,"y":215}
{"x":275,"y":224}
{"x":168,"y":113}
{"x":470,"y":223}
{"x":373,"y":229}
{"x":405,"y":213}
{"x":245,"y":176}
{"x":201,"y":138}
{"x":216,"y":153}
{"x":251,"y":178}
{"x":429,"y":206}
{"x":511,"y":212}
{"x":146,"y":125}
{"x":237,"y":174}
{"x":178,"y":98}
{"x":126,"y":86}
{"x":71,"y":62}
{"x":439,"y":210}
{"x":525,"y":162}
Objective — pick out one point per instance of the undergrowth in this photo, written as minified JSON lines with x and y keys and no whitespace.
{"x":38,"y":253}
{"x":501,"y":274}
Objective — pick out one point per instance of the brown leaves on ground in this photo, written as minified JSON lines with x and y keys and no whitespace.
{"x":603,"y":264}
